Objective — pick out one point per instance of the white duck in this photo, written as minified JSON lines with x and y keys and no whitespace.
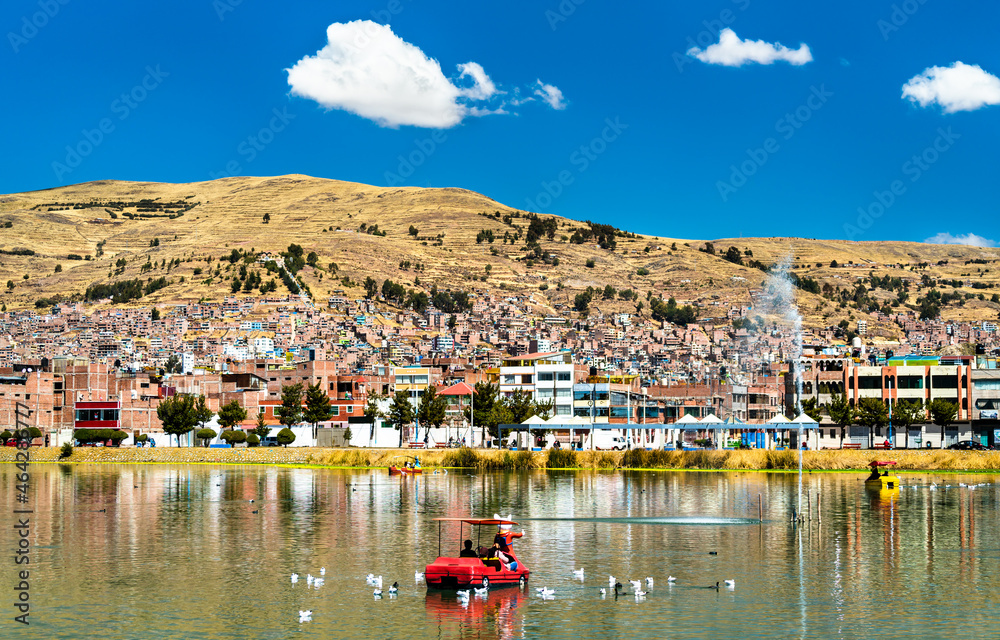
{"x":394,"y":588}
{"x":578,"y":573}
{"x":545,"y":591}
{"x":305,"y":616}
{"x":377,"y":593}
{"x":309,"y":579}
{"x":417,"y":576}
{"x":671,"y":579}
{"x":649,"y":582}
{"x":318,"y":582}
{"x":295,"y":578}
{"x":731,"y":584}
{"x":322,"y":571}
{"x":611,"y":581}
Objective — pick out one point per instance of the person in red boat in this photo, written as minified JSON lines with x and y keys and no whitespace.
{"x":505,"y":537}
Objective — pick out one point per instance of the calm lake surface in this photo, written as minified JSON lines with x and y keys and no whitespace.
{"x":178,"y":553}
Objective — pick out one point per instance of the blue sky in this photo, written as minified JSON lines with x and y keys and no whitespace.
{"x":791,"y":123}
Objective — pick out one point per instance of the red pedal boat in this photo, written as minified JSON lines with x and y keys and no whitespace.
{"x":456,"y":572}
{"x":404,"y":471}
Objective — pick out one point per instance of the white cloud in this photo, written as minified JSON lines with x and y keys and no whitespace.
{"x":960,"y":87}
{"x":369,"y":71}
{"x":730,"y":51}
{"x":969,"y":239}
{"x":550,"y":94}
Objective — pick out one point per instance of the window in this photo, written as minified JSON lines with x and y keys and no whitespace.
{"x":988,"y":404}
{"x":581,"y":395}
{"x":526,"y":379}
{"x":508,"y":379}
{"x":545,"y":377}
{"x":986,"y":385}
{"x":564,"y":376}
{"x":544,"y":393}
{"x":564,"y":393}
{"x":563,"y":410}
{"x":336,"y":410}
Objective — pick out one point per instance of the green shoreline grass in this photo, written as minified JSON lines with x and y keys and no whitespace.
{"x":836,"y":461}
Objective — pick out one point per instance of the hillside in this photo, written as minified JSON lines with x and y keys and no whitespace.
{"x":108,"y":231}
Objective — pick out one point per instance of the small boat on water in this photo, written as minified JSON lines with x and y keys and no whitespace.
{"x":404,"y":471}
{"x":882,"y":481}
{"x":481,"y":568}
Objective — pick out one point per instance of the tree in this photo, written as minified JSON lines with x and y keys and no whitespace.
{"x":347,"y":436}
{"x":205,"y":435}
{"x":905,"y":413}
{"x":400,"y":413}
{"x":177,"y":414}
{"x":173,"y":364}
{"x":154,"y":315}
{"x":286,"y":437}
{"x":261,"y":430}
{"x":485,"y":398}
{"x":253,"y":440}
{"x":317,"y":405}
{"x":373,"y":413}
{"x":414,"y":231}
{"x":290,"y":411}
{"x":371,"y":288}
{"x":267,"y":218}
{"x":202,"y":413}
{"x":233,"y":437}
{"x":231,"y":414}
{"x":432,"y":408}
{"x":842,"y":414}
{"x":943,"y":413}
{"x":872,"y":413}
{"x":811,"y":408}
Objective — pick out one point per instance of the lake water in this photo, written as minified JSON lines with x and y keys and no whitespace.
{"x":178,"y":553}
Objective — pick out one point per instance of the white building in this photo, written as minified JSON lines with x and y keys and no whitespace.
{"x":546,"y":376}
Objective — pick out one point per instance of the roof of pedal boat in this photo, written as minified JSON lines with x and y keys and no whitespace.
{"x":481,"y":521}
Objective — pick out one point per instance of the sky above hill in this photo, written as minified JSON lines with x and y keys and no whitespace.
{"x":864,"y":120}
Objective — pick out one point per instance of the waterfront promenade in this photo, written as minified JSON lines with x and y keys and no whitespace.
{"x":493,"y":459}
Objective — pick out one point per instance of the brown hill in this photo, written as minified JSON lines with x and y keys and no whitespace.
{"x":84,"y":230}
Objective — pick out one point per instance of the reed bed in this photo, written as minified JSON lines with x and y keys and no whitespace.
{"x":503,"y":460}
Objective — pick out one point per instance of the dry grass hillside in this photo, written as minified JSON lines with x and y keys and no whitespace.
{"x":104,"y":222}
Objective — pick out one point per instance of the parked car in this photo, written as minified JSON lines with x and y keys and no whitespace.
{"x":968,"y":445}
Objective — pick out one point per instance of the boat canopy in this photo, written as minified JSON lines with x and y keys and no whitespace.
{"x":881,"y":463}
{"x":479,"y":521}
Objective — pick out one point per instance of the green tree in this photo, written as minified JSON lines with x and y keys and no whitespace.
{"x":906,"y":413}
{"x":432,"y":408}
{"x":290,"y":411}
{"x":842,"y":414}
{"x":233,"y":437}
{"x":486,"y":396}
{"x":261,"y":430}
{"x":811,"y":408}
{"x":231,"y":414}
{"x":253,"y":439}
{"x":371,"y":288}
{"x":202,"y":413}
{"x":872,"y":413}
{"x":317,"y":405}
{"x":286,"y":437}
{"x":177,"y":413}
{"x":205,"y":435}
{"x":400,"y":413}
{"x":943,"y":413}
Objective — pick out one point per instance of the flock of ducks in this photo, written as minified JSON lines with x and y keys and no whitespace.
{"x":464,"y":595}
{"x":971,"y":487}
{"x":637,"y":586}
{"x":313,"y":583}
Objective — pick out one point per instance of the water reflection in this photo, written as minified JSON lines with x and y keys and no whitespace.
{"x":160,"y":552}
